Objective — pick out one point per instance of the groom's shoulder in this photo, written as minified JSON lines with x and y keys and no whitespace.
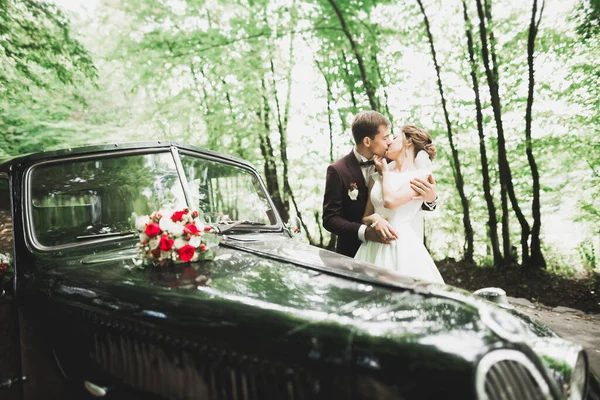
{"x":341,"y":163}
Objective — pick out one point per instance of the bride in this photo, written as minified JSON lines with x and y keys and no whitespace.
{"x":391,"y":197}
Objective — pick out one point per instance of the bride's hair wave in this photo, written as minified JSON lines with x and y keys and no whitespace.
{"x":421,"y":139}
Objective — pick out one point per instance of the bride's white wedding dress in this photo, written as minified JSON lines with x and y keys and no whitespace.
{"x":406,"y":255}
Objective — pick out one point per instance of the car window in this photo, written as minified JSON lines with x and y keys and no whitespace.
{"x":6,"y":226}
{"x":85,"y":199}
{"x":223,"y":192}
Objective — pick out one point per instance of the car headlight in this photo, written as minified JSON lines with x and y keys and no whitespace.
{"x":578,"y":378}
{"x":567,"y":364}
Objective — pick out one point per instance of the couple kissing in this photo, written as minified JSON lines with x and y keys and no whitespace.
{"x":374,"y":197}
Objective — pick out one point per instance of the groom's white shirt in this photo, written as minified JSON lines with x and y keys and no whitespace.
{"x":367,"y":171}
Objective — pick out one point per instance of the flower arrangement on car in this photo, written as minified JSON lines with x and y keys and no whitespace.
{"x":5,"y":267}
{"x":174,"y":239}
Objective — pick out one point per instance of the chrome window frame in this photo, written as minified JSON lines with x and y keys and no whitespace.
{"x":175,"y":151}
{"x":276,"y":227}
{"x":26,"y":202}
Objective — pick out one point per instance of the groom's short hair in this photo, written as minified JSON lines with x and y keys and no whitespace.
{"x":367,"y":123}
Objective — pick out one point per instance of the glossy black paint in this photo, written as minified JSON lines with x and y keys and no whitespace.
{"x":303,"y":321}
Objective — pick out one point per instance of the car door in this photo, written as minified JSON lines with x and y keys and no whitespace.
{"x":10,"y":372}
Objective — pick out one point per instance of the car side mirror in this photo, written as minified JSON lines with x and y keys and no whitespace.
{"x":495,"y":295}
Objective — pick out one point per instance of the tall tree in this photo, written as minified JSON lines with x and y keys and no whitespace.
{"x":503,"y":165}
{"x":536,"y":258}
{"x":370,"y":89}
{"x":487,"y":191}
{"x":458,"y":176}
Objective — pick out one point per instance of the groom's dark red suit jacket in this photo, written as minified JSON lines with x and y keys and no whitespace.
{"x":342,"y":215}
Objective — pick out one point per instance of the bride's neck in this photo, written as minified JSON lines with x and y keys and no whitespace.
{"x":409,"y":161}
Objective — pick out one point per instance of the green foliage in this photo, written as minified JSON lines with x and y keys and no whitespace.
{"x":216,"y":74}
{"x":587,"y":18}
{"x":587,"y":252}
{"x":36,"y":47}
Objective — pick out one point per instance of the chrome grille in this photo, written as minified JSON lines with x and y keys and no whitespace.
{"x":510,"y":375}
{"x":208,"y":373}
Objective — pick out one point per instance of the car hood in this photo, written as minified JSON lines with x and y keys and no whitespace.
{"x":270,"y":294}
{"x":265,"y":297}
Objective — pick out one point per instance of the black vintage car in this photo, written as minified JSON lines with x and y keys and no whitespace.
{"x":268,"y":317}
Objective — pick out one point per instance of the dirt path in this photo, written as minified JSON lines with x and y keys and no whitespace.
{"x":569,"y":323}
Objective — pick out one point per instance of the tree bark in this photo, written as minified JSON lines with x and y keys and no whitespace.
{"x":270,"y":167}
{"x":369,"y":89}
{"x":537,"y":258}
{"x":492,"y":219}
{"x":468,"y":251}
{"x":385,"y":94}
{"x":350,"y":87}
{"x":503,"y":165}
{"x":329,"y":111}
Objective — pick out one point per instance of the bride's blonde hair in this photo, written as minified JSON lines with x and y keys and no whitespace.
{"x":421,"y":139}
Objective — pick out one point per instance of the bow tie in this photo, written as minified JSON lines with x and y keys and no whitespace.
{"x":366,"y":163}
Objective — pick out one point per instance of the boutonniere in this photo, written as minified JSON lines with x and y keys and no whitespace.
{"x":353,"y":191}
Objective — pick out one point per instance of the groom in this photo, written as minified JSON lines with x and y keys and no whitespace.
{"x":346,"y":188}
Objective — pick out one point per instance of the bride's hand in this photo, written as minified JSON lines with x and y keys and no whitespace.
{"x":380,"y":164}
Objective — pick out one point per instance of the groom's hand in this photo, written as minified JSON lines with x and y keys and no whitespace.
{"x":382,"y":232}
{"x":426,"y":190}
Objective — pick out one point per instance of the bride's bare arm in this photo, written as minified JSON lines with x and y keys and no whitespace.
{"x":369,"y":215}
{"x":383,"y":230}
{"x":395,"y":197}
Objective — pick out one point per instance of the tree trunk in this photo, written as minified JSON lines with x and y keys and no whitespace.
{"x":492,"y":221}
{"x":537,"y":258}
{"x":385,"y":94}
{"x":268,"y":154}
{"x":369,"y":89}
{"x":350,"y":87}
{"x":282,"y":125}
{"x":503,"y":166}
{"x":468,"y":251}
{"x":329,"y":111}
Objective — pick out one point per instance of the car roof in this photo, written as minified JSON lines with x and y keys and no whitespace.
{"x":6,"y":163}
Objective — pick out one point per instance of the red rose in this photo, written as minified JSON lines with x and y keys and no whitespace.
{"x":191,"y":229}
{"x":155,"y":252}
{"x":202,"y":248}
{"x":186,"y":253}
{"x":165,"y":243}
{"x":194,"y":214}
{"x":207,"y":228}
{"x":152,"y":229}
{"x":178,"y":215}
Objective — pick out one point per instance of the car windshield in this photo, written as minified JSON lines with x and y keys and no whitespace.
{"x":227,"y":194}
{"x":78,"y":200}
{"x":86,"y":199}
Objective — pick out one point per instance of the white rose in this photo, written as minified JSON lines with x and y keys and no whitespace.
{"x":195,"y":241}
{"x":143,"y":237}
{"x":140,"y":222}
{"x":166,"y":223}
{"x":176,"y":229}
{"x":153,"y":243}
{"x":179,"y":243}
